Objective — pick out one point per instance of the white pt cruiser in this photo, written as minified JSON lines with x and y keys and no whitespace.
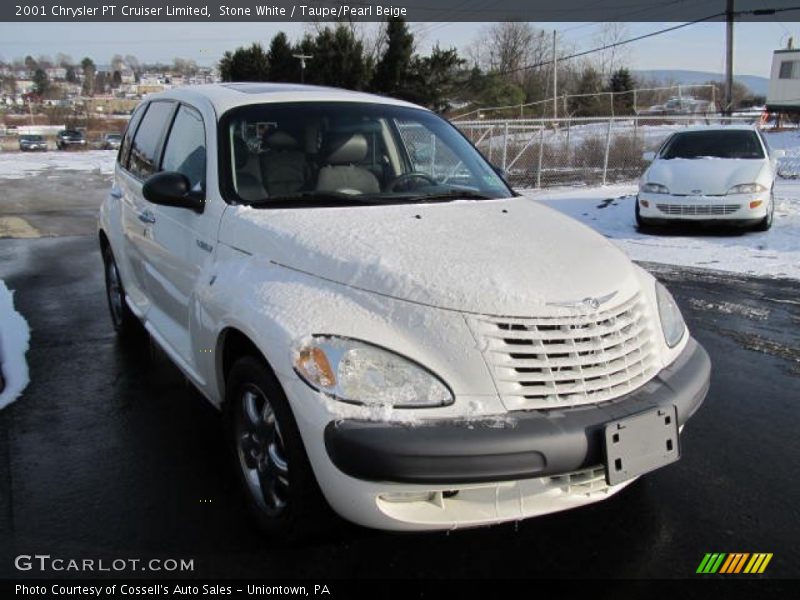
{"x":384,"y":323}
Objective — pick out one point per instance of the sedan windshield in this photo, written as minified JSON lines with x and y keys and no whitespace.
{"x":347,"y":153}
{"x":32,"y":138}
{"x":713,"y":144}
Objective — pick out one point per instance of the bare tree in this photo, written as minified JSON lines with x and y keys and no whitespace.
{"x":608,"y":61}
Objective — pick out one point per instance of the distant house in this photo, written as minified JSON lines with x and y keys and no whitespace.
{"x":783,"y":95}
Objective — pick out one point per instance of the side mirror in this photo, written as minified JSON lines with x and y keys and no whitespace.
{"x":649,"y":156}
{"x":778,"y":153}
{"x":170,"y":188}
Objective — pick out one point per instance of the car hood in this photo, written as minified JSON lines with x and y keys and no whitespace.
{"x":510,"y":257}
{"x":712,"y":176}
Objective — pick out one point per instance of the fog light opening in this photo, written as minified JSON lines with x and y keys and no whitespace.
{"x":408,"y":497}
{"x":644,"y":203}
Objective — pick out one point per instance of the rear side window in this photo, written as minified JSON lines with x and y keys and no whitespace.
{"x":185,"y":151}
{"x":122,"y":158}
{"x":147,"y":139}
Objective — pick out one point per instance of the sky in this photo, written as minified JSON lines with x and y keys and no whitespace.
{"x":697,"y":47}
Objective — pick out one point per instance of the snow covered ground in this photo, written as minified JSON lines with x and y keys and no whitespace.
{"x":609,"y":210}
{"x":14,"y":338}
{"x":19,"y":165}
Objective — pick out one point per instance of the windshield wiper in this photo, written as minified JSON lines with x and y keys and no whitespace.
{"x":314,"y":199}
{"x":448,"y":196}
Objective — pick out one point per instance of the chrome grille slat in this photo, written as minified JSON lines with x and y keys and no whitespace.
{"x":698,"y":209}
{"x":579,"y":358}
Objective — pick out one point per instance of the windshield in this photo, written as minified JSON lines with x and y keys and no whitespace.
{"x":113,"y":137}
{"x":32,"y":138}
{"x":346,"y":153}
{"x":713,"y":144}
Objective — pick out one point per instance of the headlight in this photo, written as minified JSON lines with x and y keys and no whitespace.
{"x":747,"y":188}
{"x":672,"y":323}
{"x":360,"y":373}
{"x":654,"y":188}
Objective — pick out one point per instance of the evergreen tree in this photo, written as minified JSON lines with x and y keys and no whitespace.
{"x":41,"y":82}
{"x":283,"y":66}
{"x":621,"y":81}
{"x":391,"y":72}
{"x":87,"y":64}
{"x":245,"y":64}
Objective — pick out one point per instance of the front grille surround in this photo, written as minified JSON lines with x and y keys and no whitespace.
{"x":585,"y":357}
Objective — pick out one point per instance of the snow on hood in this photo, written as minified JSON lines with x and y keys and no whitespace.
{"x":14,"y":337}
{"x":504,"y":257}
{"x":709,"y":175}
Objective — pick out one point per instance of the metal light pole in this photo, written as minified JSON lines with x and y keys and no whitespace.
{"x":728,"y":59}
{"x":303,"y":58}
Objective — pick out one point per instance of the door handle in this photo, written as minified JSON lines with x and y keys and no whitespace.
{"x":146,"y":217}
{"x":116,"y":192}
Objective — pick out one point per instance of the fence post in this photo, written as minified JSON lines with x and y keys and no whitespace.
{"x":505,"y":144}
{"x":608,"y":147}
{"x":541,"y":151}
{"x":491,"y":141}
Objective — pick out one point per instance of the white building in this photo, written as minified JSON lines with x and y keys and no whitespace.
{"x":784,"y":82}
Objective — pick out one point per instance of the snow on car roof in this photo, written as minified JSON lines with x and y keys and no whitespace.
{"x":224,"y":96}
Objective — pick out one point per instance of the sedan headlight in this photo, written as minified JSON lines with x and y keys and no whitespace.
{"x":360,"y":373}
{"x":747,"y":188}
{"x":654,"y":188}
{"x":672,"y":323}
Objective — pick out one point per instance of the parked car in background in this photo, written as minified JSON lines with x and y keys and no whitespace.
{"x":70,"y":138}
{"x":719,"y":174}
{"x":401,"y":336}
{"x":111,"y":141}
{"x":32,"y":143}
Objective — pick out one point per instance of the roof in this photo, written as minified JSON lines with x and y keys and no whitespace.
{"x":224,"y":96}
{"x":729,"y":127}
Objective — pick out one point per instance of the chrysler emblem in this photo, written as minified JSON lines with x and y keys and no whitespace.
{"x":698,"y":192}
{"x":590,"y":303}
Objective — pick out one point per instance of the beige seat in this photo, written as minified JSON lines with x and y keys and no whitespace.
{"x":284,"y":168}
{"x":248,"y":186}
{"x":341,"y":173}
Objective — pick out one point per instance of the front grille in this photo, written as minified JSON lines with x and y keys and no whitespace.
{"x":698,"y":209}
{"x":586,"y":358}
{"x":587,"y":482}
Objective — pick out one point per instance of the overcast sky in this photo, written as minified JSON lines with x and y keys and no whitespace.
{"x":697,"y":47}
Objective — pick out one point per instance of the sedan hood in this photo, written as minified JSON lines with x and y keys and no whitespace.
{"x":711,"y":176}
{"x":497,"y":257}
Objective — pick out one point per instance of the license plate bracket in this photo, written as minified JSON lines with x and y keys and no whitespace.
{"x":641,"y":443}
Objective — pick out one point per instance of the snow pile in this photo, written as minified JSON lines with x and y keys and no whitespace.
{"x":610,"y":211}
{"x":14,"y":337}
{"x":19,"y":165}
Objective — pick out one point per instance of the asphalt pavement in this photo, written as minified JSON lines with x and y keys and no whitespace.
{"x":110,"y":453}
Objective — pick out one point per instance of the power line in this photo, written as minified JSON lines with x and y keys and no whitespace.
{"x":757,"y":12}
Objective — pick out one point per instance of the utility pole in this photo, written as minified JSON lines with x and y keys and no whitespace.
{"x":728,"y":59}
{"x":303,"y":58}
{"x":555,"y":78}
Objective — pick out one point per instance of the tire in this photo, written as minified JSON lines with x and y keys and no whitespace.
{"x":122,"y":318}
{"x":641,"y":222}
{"x":268,"y":455}
{"x":766,"y":223}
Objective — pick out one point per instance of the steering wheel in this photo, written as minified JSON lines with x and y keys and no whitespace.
{"x":404,"y":179}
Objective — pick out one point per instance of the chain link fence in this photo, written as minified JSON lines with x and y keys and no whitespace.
{"x":589,"y":151}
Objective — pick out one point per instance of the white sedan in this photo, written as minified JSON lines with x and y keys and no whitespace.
{"x":719,"y":173}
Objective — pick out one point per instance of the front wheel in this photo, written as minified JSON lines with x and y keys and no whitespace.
{"x":268,"y":454}
{"x":766,"y":223}
{"x":641,"y":222}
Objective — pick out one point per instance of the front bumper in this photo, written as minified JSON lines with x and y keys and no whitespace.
{"x":535,"y":444}
{"x":734,"y":209}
